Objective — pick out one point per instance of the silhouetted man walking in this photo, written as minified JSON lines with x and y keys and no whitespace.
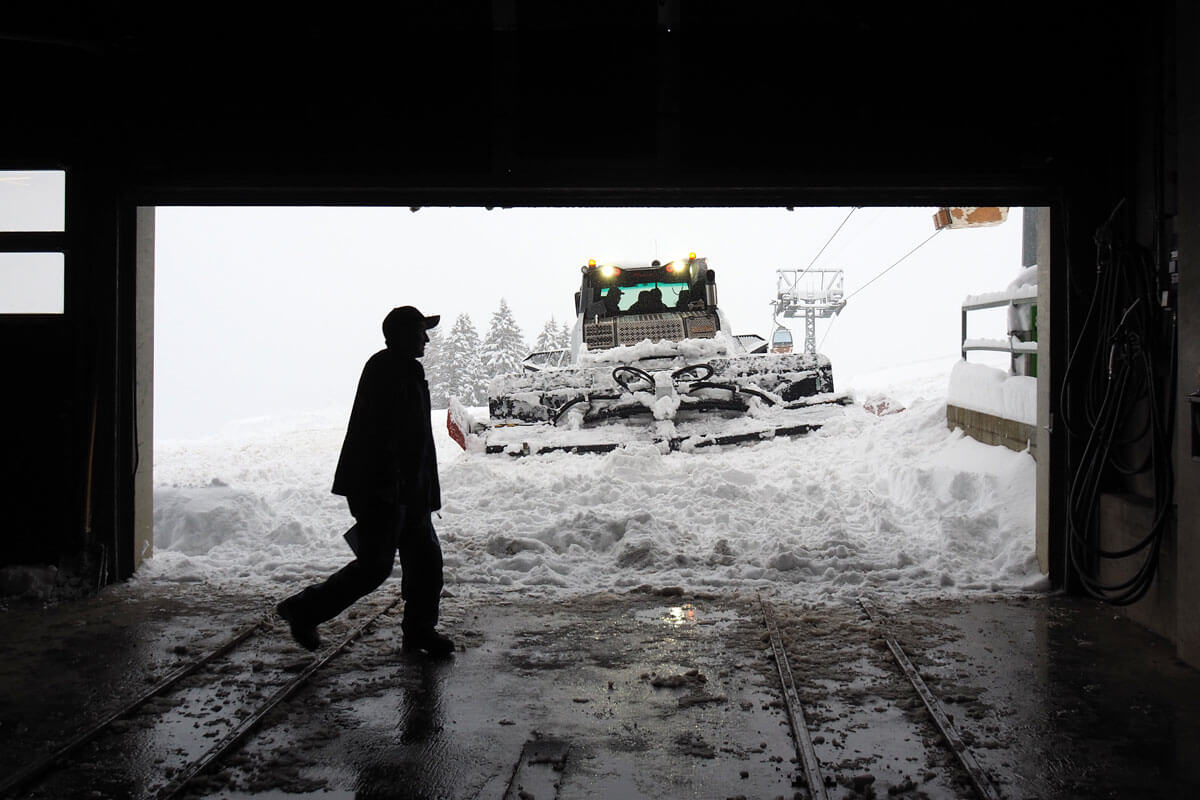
{"x":387,"y":472}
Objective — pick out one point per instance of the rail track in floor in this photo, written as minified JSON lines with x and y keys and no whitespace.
{"x":155,"y":745}
{"x":192,"y":721}
{"x":818,"y":781}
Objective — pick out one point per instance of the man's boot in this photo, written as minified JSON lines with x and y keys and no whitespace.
{"x":305,"y":634}
{"x":430,"y":642}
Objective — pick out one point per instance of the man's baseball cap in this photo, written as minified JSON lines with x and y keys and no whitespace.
{"x":407,"y":318}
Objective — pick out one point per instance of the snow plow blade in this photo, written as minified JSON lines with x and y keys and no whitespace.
{"x":673,"y":444}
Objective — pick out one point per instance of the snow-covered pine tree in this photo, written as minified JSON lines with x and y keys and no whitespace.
{"x":564,"y":336}
{"x":435,"y":368}
{"x":549,"y":337}
{"x":465,"y":378}
{"x":505,"y":347}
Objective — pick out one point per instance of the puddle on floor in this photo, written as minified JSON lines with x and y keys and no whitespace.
{"x":687,"y":614}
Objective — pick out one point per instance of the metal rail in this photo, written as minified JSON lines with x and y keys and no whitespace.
{"x":800,"y":732}
{"x":979,"y":779}
{"x":35,"y":770}
{"x":1022,"y":297}
{"x":235,"y":737}
{"x":538,"y":772}
{"x":30,"y":774}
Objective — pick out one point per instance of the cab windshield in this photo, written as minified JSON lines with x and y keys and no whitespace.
{"x":668,"y":294}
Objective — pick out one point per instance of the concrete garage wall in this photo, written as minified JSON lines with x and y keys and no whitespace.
{"x":1187,"y":467}
{"x":1124,"y":520}
{"x":143,"y":479}
{"x":1047,"y":367}
{"x":991,"y":429}
{"x":1166,"y":195}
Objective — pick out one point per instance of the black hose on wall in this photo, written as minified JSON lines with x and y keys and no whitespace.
{"x":1124,"y":361}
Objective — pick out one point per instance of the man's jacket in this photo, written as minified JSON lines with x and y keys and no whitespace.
{"x":388,"y":454}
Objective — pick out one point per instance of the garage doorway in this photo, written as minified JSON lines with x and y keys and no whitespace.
{"x":263,"y":317}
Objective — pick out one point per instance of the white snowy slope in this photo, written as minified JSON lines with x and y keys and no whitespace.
{"x":896,"y":506}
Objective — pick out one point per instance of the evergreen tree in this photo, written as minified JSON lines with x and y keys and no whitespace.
{"x":435,"y":368}
{"x":550,"y":337}
{"x":464,"y":376}
{"x":564,"y":336}
{"x":505,"y":346}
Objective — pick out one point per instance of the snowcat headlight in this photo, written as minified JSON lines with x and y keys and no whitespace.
{"x":609,"y":271}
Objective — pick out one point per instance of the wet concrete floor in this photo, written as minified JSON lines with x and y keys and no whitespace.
{"x":655,"y":693}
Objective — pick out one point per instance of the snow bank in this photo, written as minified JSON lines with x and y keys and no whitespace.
{"x":721,"y":344}
{"x":1022,"y":287}
{"x":1025,"y":285}
{"x":993,"y":391}
{"x":895,"y":505}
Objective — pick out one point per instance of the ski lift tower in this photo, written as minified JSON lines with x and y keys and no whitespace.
{"x":808,"y":293}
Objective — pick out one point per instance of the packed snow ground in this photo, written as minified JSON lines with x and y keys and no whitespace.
{"x":894,"y":506}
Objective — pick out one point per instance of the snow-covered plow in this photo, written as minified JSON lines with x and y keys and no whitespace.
{"x":685,"y":383}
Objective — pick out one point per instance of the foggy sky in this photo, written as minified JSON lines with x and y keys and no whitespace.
{"x":270,"y":311}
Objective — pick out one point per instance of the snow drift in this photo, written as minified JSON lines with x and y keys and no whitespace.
{"x":894,"y":505}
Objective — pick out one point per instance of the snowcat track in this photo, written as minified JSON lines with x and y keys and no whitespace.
{"x":675,"y":443}
{"x":43,"y":769}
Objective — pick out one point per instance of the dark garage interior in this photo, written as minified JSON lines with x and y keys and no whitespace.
{"x":1090,"y":111}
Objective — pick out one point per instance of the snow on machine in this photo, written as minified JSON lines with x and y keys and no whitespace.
{"x":651,"y":359}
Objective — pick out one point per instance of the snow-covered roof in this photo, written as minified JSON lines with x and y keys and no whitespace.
{"x":1022,"y":288}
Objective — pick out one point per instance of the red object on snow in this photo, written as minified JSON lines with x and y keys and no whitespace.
{"x":881,"y":406}
{"x":455,"y":432}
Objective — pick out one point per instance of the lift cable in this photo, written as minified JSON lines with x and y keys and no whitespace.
{"x":894,"y":264}
{"x":866,"y":222}
{"x":827,"y":243}
{"x":832,"y":236}
{"x":827,"y":330}
{"x":877,"y":277}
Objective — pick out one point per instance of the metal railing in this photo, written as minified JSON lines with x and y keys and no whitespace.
{"x":1014,"y":345}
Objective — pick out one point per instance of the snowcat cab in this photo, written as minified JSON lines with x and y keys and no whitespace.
{"x":622,"y":305}
{"x":652,"y":358}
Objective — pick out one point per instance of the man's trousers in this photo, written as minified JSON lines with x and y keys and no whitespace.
{"x":383,"y":530}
